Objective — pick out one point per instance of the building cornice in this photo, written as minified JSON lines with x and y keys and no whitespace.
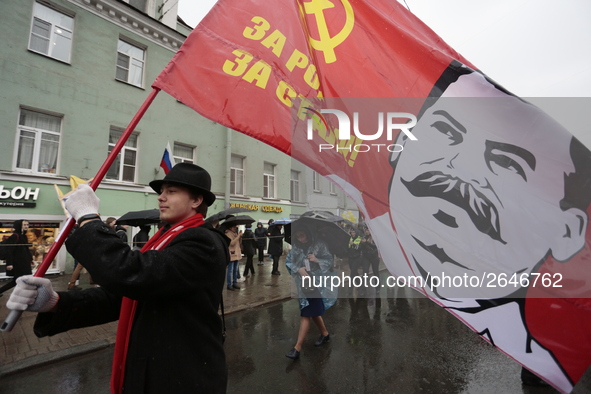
{"x":134,"y":21}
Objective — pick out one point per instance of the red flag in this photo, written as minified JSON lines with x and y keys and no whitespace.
{"x":461,"y":180}
{"x":249,"y":58}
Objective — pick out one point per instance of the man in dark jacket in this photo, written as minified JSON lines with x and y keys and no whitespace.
{"x":166,"y":296}
{"x":260,"y":234}
{"x":140,"y":239}
{"x":275,"y":246}
{"x":249,"y":247}
{"x":121,"y":231}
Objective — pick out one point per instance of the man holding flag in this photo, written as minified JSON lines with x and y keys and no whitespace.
{"x":166,"y":296}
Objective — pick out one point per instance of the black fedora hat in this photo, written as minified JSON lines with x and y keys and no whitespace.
{"x":188,"y":175}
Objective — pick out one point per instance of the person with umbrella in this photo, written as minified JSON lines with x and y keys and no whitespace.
{"x":230,"y":226}
{"x":235,"y":236}
{"x":310,"y":258}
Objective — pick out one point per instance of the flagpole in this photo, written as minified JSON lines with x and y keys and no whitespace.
{"x":13,"y":316}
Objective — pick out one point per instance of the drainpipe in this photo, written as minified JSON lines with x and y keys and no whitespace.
{"x":228,"y":164}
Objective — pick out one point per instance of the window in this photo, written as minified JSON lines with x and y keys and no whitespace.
{"x":130,"y":63}
{"x":183,"y":153}
{"x":332,"y":188}
{"x":123,"y":170}
{"x":237,"y":175}
{"x":41,"y":236}
{"x":294,"y":186}
{"x":38,"y":142}
{"x":316,"y":181}
{"x":51,"y":33}
{"x":269,"y":180}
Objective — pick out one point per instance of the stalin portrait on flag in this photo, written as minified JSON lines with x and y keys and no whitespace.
{"x":491,"y":193}
{"x":456,"y":210}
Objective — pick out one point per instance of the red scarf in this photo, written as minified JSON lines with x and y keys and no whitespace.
{"x":128,"y":306}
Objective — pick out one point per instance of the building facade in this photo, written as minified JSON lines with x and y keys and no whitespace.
{"x":73,"y":75}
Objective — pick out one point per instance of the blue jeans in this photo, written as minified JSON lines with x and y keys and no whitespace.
{"x":232,"y":273}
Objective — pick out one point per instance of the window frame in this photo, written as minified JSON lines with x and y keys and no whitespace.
{"x":51,"y":49}
{"x":294,"y":186}
{"x":234,"y":171}
{"x":182,"y":159}
{"x":316,"y":182}
{"x":136,"y":45}
{"x":332,"y":188}
{"x":124,"y":149}
{"x":37,"y":143}
{"x":269,"y":181}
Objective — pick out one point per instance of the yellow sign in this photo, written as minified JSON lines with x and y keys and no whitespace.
{"x":269,"y":208}
{"x":254,"y":207}
{"x":250,"y":207}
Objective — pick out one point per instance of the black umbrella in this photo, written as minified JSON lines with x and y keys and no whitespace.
{"x":345,"y":224}
{"x":237,"y":220}
{"x":139,"y":218}
{"x":327,"y":229}
{"x":321,"y":214}
{"x":225,"y":214}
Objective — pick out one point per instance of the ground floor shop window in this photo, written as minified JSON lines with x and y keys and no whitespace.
{"x":41,"y":236}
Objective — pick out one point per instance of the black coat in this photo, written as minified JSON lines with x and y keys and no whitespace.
{"x":121,"y":232}
{"x":176,"y":340}
{"x":369,"y":250}
{"x":140,"y":239}
{"x":275,"y":241}
{"x":15,"y":250}
{"x":249,"y":244}
{"x":261,"y":235}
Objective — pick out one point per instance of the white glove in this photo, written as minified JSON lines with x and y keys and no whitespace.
{"x":32,"y":294}
{"x":82,"y":201}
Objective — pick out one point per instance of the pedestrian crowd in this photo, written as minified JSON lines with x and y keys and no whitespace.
{"x":250,"y":244}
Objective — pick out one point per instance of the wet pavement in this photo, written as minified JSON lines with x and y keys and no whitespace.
{"x":21,"y":349}
{"x":390,"y":344}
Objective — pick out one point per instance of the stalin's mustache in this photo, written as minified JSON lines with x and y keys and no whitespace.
{"x":482,"y":212}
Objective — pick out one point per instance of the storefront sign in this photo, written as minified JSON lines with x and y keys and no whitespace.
{"x":270,"y":208}
{"x":254,"y":207}
{"x":18,"y":204}
{"x":250,"y":207}
{"x":18,"y":193}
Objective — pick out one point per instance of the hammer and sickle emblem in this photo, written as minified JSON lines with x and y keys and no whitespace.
{"x":326,"y":43}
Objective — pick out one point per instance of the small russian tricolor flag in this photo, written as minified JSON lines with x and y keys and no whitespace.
{"x":167,"y":160}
